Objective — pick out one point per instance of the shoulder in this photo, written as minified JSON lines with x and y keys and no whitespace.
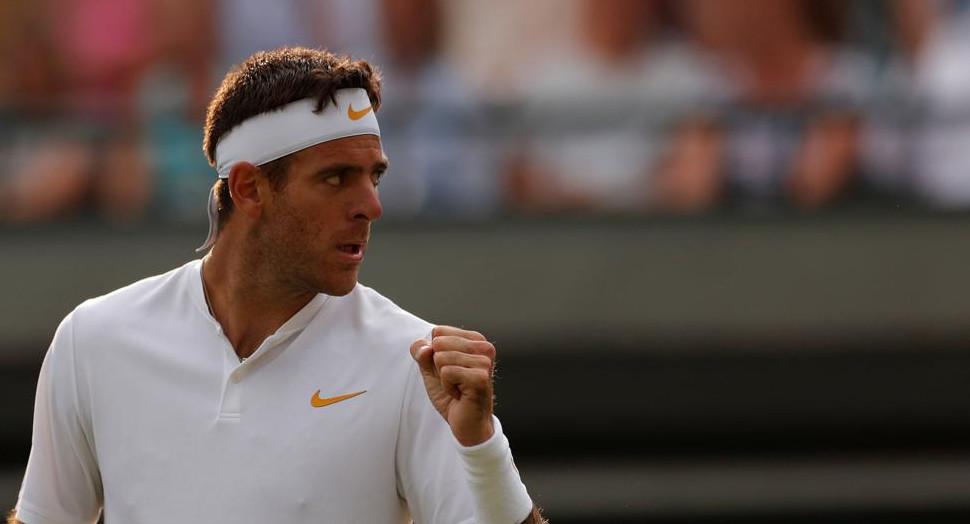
{"x":371,"y":330}
{"x":378,"y":316}
{"x":148,"y":300}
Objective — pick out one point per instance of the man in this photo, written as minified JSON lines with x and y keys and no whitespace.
{"x":262,"y":383}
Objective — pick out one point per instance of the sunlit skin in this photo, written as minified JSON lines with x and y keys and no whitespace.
{"x":281,"y":248}
{"x":313,"y":233}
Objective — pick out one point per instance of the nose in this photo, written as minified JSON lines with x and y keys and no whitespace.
{"x":366,"y":203}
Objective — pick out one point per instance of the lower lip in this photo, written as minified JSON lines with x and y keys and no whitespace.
{"x":351,"y":257}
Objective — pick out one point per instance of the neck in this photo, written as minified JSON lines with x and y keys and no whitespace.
{"x":246,"y":300}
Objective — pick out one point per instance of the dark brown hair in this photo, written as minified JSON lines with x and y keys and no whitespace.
{"x":271,"y":79}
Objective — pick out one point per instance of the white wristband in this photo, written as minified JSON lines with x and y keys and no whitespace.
{"x":498,"y":495}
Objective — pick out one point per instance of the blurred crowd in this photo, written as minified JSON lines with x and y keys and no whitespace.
{"x":497,"y":107}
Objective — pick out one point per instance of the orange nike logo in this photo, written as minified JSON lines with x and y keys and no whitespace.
{"x":318,"y":402}
{"x":357,"y":115}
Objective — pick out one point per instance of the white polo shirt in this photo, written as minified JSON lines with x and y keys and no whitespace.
{"x":143,"y":406}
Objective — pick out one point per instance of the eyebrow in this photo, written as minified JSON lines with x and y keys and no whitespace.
{"x":382,"y":164}
{"x":336,"y":169}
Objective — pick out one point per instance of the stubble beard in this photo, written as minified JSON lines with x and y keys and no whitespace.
{"x":283,"y":250}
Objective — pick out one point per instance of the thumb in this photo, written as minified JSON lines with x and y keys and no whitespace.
{"x":423,"y":354}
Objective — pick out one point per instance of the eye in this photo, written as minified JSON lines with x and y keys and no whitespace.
{"x":376,"y":178}
{"x":334,"y":180}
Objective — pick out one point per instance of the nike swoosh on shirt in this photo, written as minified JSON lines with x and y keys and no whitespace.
{"x":318,"y":402}
{"x":357,"y":115}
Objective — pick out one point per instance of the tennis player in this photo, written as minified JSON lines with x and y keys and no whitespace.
{"x":262,"y":383}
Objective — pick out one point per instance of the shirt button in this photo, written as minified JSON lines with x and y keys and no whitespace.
{"x":235,"y":378}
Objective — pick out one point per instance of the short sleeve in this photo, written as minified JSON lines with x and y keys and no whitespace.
{"x":62,"y":484}
{"x":430,"y":477}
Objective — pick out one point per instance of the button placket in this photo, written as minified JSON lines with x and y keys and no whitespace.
{"x":231,"y":405}
{"x":236,"y":370}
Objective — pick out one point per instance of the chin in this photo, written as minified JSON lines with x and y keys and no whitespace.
{"x":339,"y":289}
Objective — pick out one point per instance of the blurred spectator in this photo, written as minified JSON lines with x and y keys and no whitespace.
{"x":787,"y":129}
{"x":756,"y":103}
{"x":172,"y":96}
{"x":106,"y":46}
{"x":46,"y":173}
{"x":596,"y":109}
{"x":247,"y":26}
{"x":73,"y":145}
{"x":352,"y":27}
{"x":343,"y":26}
{"x":44,"y":170}
{"x":495,"y":44}
{"x":942,"y":170}
{"x":441,"y":164}
{"x":888,"y":152}
{"x":918,"y":133}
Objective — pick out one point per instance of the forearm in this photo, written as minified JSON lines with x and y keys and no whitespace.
{"x":457,"y":367}
{"x":12,"y":518}
{"x":497,"y":492}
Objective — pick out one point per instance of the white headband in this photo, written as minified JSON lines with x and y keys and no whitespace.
{"x":288,"y":129}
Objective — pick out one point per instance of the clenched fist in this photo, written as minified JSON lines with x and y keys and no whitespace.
{"x":457,"y":367}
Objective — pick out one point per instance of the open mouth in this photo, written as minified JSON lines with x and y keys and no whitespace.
{"x":351,"y":249}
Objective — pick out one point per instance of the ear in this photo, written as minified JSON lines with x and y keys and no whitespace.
{"x":245,"y":180}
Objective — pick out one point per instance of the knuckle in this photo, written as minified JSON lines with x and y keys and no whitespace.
{"x":442,"y":358}
{"x":481,"y":376}
{"x":451,"y":373}
{"x":443,"y":330}
{"x":446,"y":343}
{"x":488,"y":349}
